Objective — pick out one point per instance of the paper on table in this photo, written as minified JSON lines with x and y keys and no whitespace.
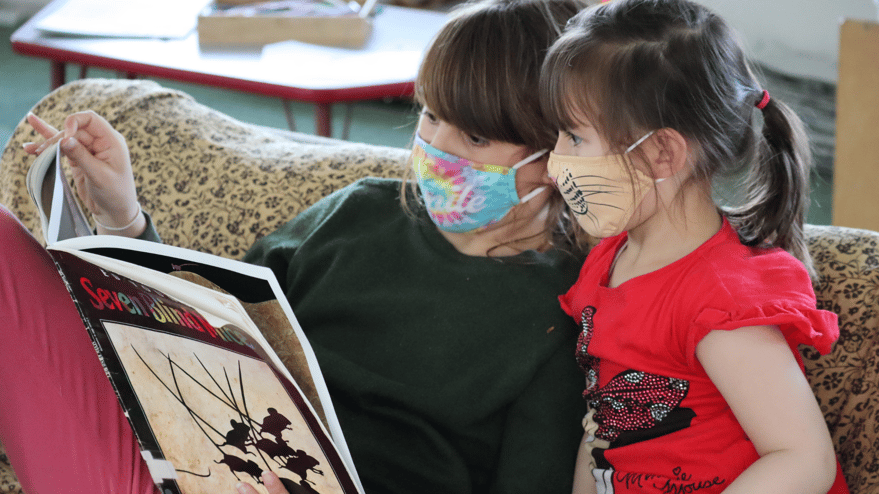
{"x":124,"y":18}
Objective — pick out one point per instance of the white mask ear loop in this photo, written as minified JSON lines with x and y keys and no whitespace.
{"x":639,"y":141}
{"x":531,"y":194}
{"x":524,"y":162}
{"x":529,"y":159}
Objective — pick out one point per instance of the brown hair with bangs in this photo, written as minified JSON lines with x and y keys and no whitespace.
{"x":481,"y":74}
{"x":632,"y":66}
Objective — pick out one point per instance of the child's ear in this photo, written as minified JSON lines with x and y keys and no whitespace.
{"x":668,"y":152}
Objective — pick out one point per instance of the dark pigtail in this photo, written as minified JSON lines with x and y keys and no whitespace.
{"x":777,"y":186}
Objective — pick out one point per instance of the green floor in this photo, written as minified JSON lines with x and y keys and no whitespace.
{"x":23,"y":81}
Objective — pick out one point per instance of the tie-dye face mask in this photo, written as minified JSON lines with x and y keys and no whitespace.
{"x":464,"y":196}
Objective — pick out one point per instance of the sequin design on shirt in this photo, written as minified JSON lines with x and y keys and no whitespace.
{"x":634,"y":401}
{"x":630,"y":401}
{"x":588,"y":363}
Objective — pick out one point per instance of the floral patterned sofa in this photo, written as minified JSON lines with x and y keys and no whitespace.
{"x":215,"y":184}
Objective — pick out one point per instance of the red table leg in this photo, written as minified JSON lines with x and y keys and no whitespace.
{"x":323,"y":120}
{"x":288,"y":112}
{"x":58,"y":69}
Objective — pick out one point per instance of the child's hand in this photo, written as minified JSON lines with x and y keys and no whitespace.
{"x":101,"y":168}
{"x":269,"y":479}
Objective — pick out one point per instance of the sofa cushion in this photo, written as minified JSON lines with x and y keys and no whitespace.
{"x":846,"y":381}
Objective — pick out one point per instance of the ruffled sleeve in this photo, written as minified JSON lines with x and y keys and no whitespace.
{"x":760,"y":287}
{"x":800,"y":324}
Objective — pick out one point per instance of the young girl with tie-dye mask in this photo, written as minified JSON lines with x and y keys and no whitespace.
{"x":436,"y":324}
{"x":690,"y":311}
{"x":480,"y":149}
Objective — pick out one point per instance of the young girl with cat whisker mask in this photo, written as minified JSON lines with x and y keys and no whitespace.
{"x":690,"y":312}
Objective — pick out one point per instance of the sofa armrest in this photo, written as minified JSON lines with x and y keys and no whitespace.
{"x":846,"y":381}
{"x":210,"y":182}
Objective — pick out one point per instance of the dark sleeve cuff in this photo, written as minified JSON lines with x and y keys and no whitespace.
{"x":149,"y":233}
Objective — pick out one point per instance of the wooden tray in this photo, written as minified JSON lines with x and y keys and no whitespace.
{"x":216,"y":27}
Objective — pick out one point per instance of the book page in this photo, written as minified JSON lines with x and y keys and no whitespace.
{"x":218,"y":416}
{"x":109,"y":294}
{"x":60,"y":214}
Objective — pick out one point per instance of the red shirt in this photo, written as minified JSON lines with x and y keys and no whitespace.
{"x":660,"y":423}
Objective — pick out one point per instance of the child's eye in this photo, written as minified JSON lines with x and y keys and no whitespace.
{"x":430,"y":116}
{"x":575,"y":140}
{"x":476,"y":140}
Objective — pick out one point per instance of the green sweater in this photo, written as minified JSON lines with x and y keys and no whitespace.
{"x":449,"y":373}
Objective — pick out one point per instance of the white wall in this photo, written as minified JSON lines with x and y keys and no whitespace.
{"x":798,"y":37}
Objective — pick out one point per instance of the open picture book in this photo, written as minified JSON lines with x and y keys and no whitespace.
{"x":206,"y":357}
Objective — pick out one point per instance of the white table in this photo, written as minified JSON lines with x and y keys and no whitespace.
{"x":385,"y":67}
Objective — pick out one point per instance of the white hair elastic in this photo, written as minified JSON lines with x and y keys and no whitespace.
{"x":119,"y":229}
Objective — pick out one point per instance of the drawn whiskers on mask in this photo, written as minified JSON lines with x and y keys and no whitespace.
{"x":585,"y":191}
